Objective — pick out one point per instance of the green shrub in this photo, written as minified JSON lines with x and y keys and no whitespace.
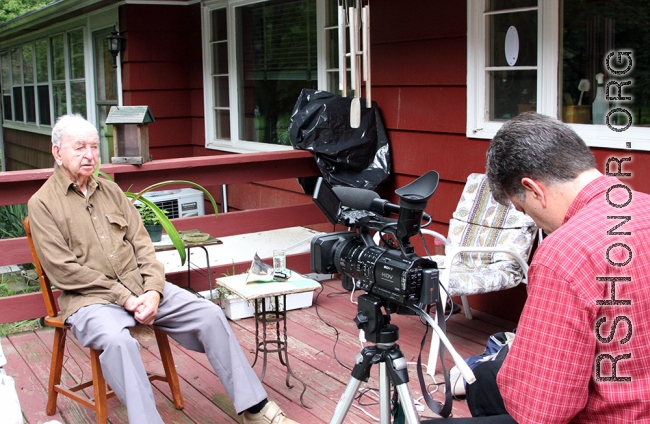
{"x":11,"y":221}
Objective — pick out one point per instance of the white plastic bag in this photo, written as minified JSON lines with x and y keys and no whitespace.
{"x":10,"y":412}
{"x":9,"y":404}
{"x":3,"y":358}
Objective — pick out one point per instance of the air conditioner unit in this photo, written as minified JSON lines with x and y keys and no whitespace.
{"x":180,"y":203}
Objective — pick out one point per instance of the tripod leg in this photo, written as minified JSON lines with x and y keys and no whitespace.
{"x":408,"y":405}
{"x":396,"y":368}
{"x":360,"y":372}
{"x":345,"y":401}
{"x":384,"y":394}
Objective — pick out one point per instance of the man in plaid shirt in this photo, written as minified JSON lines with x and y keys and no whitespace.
{"x":582,"y":349}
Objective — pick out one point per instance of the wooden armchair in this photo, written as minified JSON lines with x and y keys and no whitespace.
{"x":100,"y":389}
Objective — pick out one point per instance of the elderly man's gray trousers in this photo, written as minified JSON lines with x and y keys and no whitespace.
{"x":197,"y":324}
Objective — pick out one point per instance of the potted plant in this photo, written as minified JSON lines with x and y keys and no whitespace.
{"x":160,"y":215}
{"x":151,"y":221}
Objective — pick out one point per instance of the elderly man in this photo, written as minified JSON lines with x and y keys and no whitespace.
{"x":582,"y":349}
{"x":93,"y":246}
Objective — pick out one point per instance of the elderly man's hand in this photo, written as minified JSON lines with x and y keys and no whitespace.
{"x":144,"y":307}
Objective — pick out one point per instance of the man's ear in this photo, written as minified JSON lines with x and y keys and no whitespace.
{"x":56,"y":153}
{"x":536,"y":189}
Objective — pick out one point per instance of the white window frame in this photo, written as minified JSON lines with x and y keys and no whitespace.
{"x":634,"y":138}
{"x":235,"y":145}
{"x":97,"y":20}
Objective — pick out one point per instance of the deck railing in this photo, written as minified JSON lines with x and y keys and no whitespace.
{"x":18,"y":186}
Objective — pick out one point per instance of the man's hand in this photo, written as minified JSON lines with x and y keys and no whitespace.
{"x":144,"y":307}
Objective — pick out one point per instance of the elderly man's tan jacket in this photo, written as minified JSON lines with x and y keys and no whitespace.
{"x":94,"y":247}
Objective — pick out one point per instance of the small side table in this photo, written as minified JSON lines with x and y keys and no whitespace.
{"x":166,"y":244}
{"x":270,"y":314}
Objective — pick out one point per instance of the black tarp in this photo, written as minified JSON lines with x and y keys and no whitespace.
{"x":353,"y":157}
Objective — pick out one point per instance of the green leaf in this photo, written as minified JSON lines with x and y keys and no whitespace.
{"x":160,"y":215}
{"x":164,"y":221}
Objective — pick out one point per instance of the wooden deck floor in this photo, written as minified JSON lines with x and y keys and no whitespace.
{"x":311,"y":355}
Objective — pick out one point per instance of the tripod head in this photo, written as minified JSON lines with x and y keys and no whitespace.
{"x":375,"y":324}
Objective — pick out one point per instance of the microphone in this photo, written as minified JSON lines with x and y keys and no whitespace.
{"x":356,"y":198}
{"x":89,"y":207}
{"x":359,"y":198}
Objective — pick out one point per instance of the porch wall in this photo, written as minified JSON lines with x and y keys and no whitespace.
{"x":27,"y":150}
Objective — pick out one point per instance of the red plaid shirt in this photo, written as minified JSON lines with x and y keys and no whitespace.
{"x":550,"y":374}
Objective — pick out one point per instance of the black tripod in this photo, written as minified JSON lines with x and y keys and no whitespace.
{"x":386,"y":353}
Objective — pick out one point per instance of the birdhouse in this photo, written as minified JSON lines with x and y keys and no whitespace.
{"x":130,"y":133}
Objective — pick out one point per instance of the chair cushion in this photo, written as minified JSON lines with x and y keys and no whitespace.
{"x":481,"y":281}
{"x":479,"y":220}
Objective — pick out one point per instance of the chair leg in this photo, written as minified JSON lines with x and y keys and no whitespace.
{"x":468,"y":311}
{"x":170,"y":369}
{"x":56,"y":367}
{"x":99,"y":387}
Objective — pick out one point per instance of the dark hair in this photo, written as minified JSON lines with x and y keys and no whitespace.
{"x":534,"y":146}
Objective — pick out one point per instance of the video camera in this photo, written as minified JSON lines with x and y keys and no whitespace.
{"x":392,"y":272}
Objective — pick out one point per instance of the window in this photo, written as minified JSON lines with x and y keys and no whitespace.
{"x":29,"y":70}
{"x":545,"y":55}
{"x":259,"y":56}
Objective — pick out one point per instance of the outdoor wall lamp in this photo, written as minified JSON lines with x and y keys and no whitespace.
{"x":116,"y":44}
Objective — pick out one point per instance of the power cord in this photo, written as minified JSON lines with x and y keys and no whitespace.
{"x":336,"y":331}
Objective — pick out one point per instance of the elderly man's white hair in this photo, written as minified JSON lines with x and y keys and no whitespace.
{"x":64,"y":122}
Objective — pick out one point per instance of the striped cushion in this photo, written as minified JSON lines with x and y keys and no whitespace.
{"x":481,"y":221}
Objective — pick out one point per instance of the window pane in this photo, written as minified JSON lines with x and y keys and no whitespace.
{"x":28,"y":63}
{"x":221,"y":91}
{"x":222,"y":124}
{"x":590,"y":32}
{"x":6,"y":106}
{"x":512,"y":92}
{"x":219,"y":25}
{"x":30,"y":104}
{"x":276,"y":60}
{"x":59,"y":99}
{"x":58,"y":58}
{"x":220,"y":58}
{"x":104,"y":72}
{"x":331,"y":13}
{"x":41,"y":61}
{"x":525,"y":24}
{"x":76,"y":48}
{"x":78,"y":95}
{"x":44,"y":104}
{"x":18,"y":103}
{"x":510,"y":4}
{"x":16,"y":68}
{"x":332,"y":39}
{"x":333,"y":82}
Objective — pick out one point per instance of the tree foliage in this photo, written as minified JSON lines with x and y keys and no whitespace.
{"x":10,"y":9}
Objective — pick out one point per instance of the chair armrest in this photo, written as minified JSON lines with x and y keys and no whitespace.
{"x":436,"y":235}
{"x":453,"y":252}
